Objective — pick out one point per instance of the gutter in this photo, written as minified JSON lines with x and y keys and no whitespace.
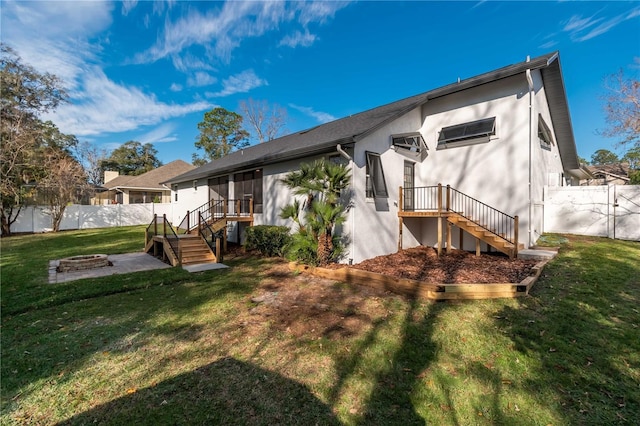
{"x":531,"y":88}
{"x":352,"y":212}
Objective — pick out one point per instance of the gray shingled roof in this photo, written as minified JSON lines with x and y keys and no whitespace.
{"x":152,"y":179}
{"x":325,"y":137}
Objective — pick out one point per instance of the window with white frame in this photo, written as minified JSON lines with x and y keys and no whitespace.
{"x":472,"y":132}
{"x":410,"y":143}
{"x":376,"y":186}
{"x":544,"y":134}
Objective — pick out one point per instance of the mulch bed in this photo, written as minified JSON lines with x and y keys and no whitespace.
{"x":458,"y":267}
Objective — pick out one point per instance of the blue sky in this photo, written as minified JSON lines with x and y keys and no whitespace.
{"x":148,"y":71}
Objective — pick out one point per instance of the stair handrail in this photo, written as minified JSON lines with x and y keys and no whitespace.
{"x":167,"y":232}
{"x":483,"y":215}
{"x":216,"y":238}
{"x":211,"y":209}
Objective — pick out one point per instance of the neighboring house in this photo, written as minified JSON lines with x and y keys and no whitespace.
{"x":608,"y":174}
{"x":499,"y":137}
{"x":144,"y":188}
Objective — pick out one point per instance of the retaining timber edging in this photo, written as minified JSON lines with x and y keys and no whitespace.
{"x":424,"y":290}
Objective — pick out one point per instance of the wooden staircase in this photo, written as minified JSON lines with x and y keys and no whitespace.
{"x":497,"y":229}
{"x":194,"y":249}
{"x":496,"y":241}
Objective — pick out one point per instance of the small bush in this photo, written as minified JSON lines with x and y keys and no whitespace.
{"x":268,"y":240}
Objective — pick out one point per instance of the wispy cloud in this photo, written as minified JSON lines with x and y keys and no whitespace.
{"x":548,"y":44}
{"x":298,"y":39}
{"x":128,"y":5}
{"x":322,"y":117}
{"x":221,"y":30}
{"x":239,"y":83}
{"x":97,"y":105}
{"x":162,"y":133}
{"x":200,"y":79}
{"x":107,"y":107}
{"x":582,"y":29}
{"x":175,"y":87}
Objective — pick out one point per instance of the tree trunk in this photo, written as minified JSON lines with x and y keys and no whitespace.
{"x":325,"y":248}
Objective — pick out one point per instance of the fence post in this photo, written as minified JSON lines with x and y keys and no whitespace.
{"x":199,"y":223}
{"x":188,"y":217}
{"x":224,"y":208}
{"x":155,"y":224}
{"x":439,"y":199}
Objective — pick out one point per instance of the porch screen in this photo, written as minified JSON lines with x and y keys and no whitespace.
{"x":249,"y":185}
{"x":376,"y":185}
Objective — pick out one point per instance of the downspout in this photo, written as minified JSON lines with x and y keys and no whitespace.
{"x":346,"y":156}
{"x":529,"y":224}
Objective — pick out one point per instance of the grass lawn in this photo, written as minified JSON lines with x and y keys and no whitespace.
{"x":169,"y":347}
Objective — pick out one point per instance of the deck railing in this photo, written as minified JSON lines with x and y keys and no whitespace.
{"x":213,"y":210}
{"x":161,"y":226}
{"x":433,"y":198}
{"x":489,"y":218}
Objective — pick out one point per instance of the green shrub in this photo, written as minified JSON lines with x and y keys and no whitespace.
{"x":268,"y":240}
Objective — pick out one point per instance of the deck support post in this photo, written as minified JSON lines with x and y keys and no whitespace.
{"x":448,"y":236}
{"x":461,"y":238}
{"x":440,"y":242}
{"x":477,"y":246}
{"x":400,"y":219}
{"x":516,"y":222}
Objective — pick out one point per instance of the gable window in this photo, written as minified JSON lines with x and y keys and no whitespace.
{"x":544,"y":134}
{"x":376,"y":187}
{"x":473,"y":132}
{"x":410,"y":143}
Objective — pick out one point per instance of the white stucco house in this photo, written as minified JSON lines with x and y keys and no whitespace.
{"x":497,"y":138}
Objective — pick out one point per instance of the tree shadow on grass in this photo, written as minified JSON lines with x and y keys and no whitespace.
{"x":227,"y":391}
{"x":582,"y":325}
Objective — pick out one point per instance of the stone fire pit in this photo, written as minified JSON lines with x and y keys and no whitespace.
{"x":81,"y":263}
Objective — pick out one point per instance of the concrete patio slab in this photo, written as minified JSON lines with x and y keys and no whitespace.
{"x":537,"y":254}
{"x":200,"y":267}
{"x":122,"y":264}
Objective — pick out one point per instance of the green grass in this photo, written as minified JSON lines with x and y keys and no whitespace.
{"x":168,"y":347}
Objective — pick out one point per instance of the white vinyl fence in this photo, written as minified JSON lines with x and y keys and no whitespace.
{"x":604,"y":211}
{"x":36,"y":219}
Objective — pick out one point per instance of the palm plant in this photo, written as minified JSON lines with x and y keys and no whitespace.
{"x":323,"y":184}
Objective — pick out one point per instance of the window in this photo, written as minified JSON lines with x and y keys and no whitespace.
{"x":195,"y":185}
{"x":478,"y":131}
{"x":544,"y":134}
{"x":376,"y":187}
{"x":411,"y":143}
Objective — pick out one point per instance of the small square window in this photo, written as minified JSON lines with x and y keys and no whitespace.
{"x":411,"y":143}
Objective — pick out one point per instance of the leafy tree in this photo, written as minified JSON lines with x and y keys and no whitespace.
{"x":266,"y":121}
{"x":604,"y":156}
{"x":25,"y":95}
{"x":633,"y":157}
{"x":582,"y":160}
{"x":132,"y":158}
{"x":65,"y":181}
{"x":221,"y":133}
{"x":322,"y":183}
{"x":622,"y":109}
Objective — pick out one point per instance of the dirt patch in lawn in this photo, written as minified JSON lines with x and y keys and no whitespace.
{"x":457,"y":267}
{"x":303,"y":305}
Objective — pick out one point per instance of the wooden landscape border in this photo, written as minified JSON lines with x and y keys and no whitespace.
{"x":424,"y":290}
